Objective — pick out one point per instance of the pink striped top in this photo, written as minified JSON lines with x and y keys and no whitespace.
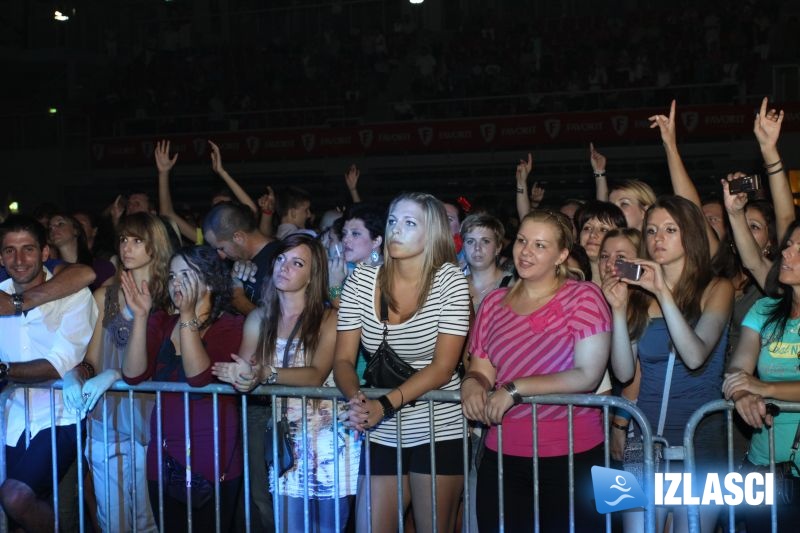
{"x":536,"y":344}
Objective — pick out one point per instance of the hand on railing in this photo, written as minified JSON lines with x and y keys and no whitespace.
{"x":244,"y":375}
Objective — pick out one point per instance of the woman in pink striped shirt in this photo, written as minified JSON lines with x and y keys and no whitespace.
{"x":548,"y":334}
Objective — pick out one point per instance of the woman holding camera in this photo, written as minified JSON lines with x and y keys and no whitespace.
{"x":679,"y":322}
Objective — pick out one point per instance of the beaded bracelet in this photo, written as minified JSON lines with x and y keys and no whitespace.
{"x":88,"y":368}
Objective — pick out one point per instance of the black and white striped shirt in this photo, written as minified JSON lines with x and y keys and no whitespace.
{"x":446,"y":310}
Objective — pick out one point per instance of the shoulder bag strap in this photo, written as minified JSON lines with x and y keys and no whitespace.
{"x":286,"y":349}
{"x":662,"y":417}
{"x":384,"y":316}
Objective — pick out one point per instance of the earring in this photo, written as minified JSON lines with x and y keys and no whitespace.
{"x":558,"y":266}
{"x":374,"y":256}
{"x":767,"y":250}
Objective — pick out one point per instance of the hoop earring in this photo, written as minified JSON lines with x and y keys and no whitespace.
{"x":374,"y":256}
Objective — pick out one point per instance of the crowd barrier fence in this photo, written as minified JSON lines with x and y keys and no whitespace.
{"x":158,"y":389}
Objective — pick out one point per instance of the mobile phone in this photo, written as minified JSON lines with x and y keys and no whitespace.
{"x":628,"y":270}
{"x":745,"y":184}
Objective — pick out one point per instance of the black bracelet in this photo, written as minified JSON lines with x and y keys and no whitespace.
{"x":88,"y":368}
{"x":619,"y":426}
{"x":775,"y":164}
{"x":520,"y":190}
{"x":600,"y":174}
{"x":776,"y":171}
{"x":388,"y":408}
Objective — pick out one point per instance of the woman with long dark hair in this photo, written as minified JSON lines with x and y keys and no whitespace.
{"x":289,"y":340}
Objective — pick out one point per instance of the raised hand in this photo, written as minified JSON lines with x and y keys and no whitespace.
{"x":138,"y":299}
{"x":597,"y":159}
{"x":767,"y":125}
{"x":616,"y":292}
{"x":351,"y":177}
{"x":652,"y":279}
{"x":216,"y":159}
{"x":524,"y":169}
{"x":734,"y":203}
{"x":666,"y":125}
{"x":186,"y":291}
{"x":163,"y":162}
{"x":537,"y":193}
{"x":117,"y":208}
{"x":266,"y":202}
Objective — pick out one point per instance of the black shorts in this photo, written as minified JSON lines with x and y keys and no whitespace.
{"x":33,"y":466}
{"x":417,"y":459}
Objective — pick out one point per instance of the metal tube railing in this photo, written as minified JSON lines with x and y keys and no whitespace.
{"x":305,"y":393}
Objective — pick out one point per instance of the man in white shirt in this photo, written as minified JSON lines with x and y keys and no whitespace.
{"x":38,"y":345}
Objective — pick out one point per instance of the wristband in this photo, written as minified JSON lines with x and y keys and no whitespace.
{"x":600,"y":174}
{"x":267,"y":211}
{"x":776,"y":171}
{"x":512,"y":390}
{"x":388,"y":408}
{"x":192,"y":324}
{"x":520,"y":190}
{"x":619,"y":427}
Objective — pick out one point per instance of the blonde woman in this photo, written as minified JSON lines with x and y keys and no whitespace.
{"x":428,"y":318}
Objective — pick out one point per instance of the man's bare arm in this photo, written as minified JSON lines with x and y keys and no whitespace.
{"x":68,"y":280}
{"x":32,"y":371}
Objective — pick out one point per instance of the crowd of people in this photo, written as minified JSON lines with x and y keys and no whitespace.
{"x":667,"y":301}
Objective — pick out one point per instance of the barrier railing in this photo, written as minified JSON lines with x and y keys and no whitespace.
{"x":159,"y":389}
{"x":732,"y":462}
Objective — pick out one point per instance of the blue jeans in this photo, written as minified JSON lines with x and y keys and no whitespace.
{"x":321,"y":514}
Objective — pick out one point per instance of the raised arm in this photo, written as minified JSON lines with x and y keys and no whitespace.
{"x":623,"y":358}
{"x":135,"y":362}
{"x":66,"y":281}
{"x":523,"y":170}
{"x":767,"y":129}
{"x":682,"y":184}
{"x":351,"y":180}
{"x":749,"y":252}
{"x":233,"y":185}
{"x":598,"y":162}
{"x":266,"y":204}
{"x":164,"y":164}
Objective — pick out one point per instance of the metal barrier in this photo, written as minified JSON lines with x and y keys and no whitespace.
{"x":605,"y":403}
{"x":688,"y":443}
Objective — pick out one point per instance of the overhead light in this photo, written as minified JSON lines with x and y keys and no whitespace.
{"x":416,"y":1}
{"x":59,"y":16}
{"x":13,"y":207}
{"x":52,"y":110}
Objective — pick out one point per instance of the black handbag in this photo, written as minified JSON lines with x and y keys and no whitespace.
{"x":787,"y":475}
{"x":282,"y":427}
{"x":175,"y":483}
{"x":385,"y":369}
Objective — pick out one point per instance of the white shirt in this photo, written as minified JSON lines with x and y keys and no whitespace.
{"x":58,"y":331}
